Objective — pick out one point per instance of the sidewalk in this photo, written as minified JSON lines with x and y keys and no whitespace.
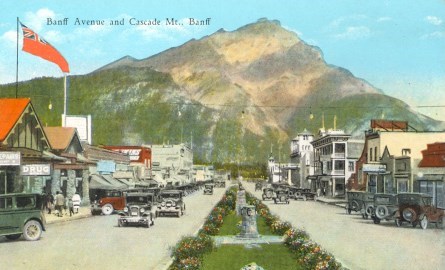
{"x":84,"y":212}
{"x":340,"y":202}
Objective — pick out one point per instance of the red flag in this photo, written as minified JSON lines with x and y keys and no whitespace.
{"x":35,"y":44}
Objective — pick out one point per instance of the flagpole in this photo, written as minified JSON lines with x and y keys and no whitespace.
{"x":17,"y":62}
{"x":64,"y":99}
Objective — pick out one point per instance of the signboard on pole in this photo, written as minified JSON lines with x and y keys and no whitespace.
{"x":82,"y":123}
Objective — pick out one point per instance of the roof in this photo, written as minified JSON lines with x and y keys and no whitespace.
{"x":10,"y":111}
{"x":59,"y":137}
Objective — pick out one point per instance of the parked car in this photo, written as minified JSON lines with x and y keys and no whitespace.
{"x":171,"y":203}
{"x":358,"y":201}
{"x":208,"y":189}
{"x":281,"y":196}
{"x":139,"y":210}
{"x":416,"y":208}
{"x":220,"y":184}
{"x":268,"y":193}
{"x":303,"y":194}
{"x":22,"y":214}
{"x":384,"y":208}
{"x":112,"y":200}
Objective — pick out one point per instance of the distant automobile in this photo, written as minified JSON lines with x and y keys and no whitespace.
{"x":22,"y":214}
{"x":281,"y":196}
{"x":384,"y":208}
{"x":359,"y":201}
{"x":171,"y":203}
{"x":139,"y":210}
{"x":268,"y":193}
{"x":208,"y":189}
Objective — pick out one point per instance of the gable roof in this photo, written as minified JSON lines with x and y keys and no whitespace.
{"x":10,"y":111}
{"x":60,"y":137}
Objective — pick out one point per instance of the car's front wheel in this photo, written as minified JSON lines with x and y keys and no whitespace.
{"x":32,"y":230}
{"x":13,"y":236}
{"x":424,"y":222}
{"x":107,"y":209}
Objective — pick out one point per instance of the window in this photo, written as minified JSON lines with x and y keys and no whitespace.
{"x":370,"y":154}
{"x":372,"y":183}
{"x":406,"y":151}
{"x":339,"y":165}
{"x":375,"y":153}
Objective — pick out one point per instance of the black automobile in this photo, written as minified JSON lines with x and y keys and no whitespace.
{"x":358,"y":201}
{"x":281,"y":196}
{"x":268,"y":193}
{"x":208,"y":189}
{"x":138,"y":211}
{"x":384,"y":208}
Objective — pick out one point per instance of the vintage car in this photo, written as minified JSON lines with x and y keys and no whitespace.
{"x":139,"y":210}
{"x":384,"y":207}
{"x":220,"y":184}
{"x":303,"y":194}
{"x":268,"y":193}
{"x":112,"y":200}
{"x":22,"y":214}
{"x":170,"y":203}
{"x":416,"y":208}
{"x":358,"y":201}
{"x":208,"y":189}
{"x":258,"y":186}
{"x":281,"y":196}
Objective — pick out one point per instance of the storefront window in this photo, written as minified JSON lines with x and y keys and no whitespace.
{"x":372,"y":183}
{"x":435,"y":189}
{"x":402,"y":185}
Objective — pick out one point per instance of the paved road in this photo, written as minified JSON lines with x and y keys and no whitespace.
{"x":97,"y":242}
{"x":359,"y":243}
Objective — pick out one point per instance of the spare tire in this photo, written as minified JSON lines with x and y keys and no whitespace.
{"x":381,"y":211}
{"x":409,"y":214}
{"x":355,"y":205}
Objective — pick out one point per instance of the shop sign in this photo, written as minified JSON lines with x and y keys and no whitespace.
{"x":374,"y":168}
{"x":106,"y":166}
{"x":35,"y":169}
{"x":9,"y":158}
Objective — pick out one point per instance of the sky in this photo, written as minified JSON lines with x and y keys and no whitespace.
{"x":397,"y":46}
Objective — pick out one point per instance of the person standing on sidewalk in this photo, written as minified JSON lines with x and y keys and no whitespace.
{"x":49,"y":202}
{"x":60,"y":202}
{"x":71,"y":206}
{"x":76,"y":202}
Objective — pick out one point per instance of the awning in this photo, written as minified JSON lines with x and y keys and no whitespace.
{"x":430,"y":177}
{"x":51,"y":156}
{"x":113,"y":181}
{"x":98,"y":182}
{"x":127,"y":182}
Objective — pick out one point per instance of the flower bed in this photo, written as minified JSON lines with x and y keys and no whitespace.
{"x":189,"y":251}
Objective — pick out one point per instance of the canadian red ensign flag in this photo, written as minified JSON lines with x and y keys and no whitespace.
{"x":36,"y":45}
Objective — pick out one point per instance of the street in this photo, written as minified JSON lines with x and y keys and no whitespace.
{"x":360,"y":244}
{"x":98,"y":243}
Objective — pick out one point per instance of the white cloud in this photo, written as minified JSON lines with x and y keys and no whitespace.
{"x":354,"y":33}
{"x":436,"y":34}
{"x":36,"y":20}
{"x":433,"y":20}
{"x":384,"y":19}
{"x":9,"y":38}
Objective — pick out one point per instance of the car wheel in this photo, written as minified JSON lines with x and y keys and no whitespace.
{"x":107,"y":209}
{"x":370,"y":210}
{"x":13,"y":236}
{"x":424,"y":222}
{"x":409,"y":214}
{"x":376,"y":220}
{"x":381,"y":211}
{"x":398,"y":222}
{"x":32,"y":230}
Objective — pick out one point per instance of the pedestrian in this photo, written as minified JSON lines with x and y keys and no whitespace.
{"x":324,"y":191}
{"x":318,"y":192}
{"x":60,"y":202}
{"x":76,"y":202}
{"x":50,"y":202}
{"x":71,"y":207}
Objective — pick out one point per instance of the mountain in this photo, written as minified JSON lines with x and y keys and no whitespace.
{"x":235,"y":94}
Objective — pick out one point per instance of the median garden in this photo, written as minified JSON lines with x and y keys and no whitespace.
{"x":296,"y":251}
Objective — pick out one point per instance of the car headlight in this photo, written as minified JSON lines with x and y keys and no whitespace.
{"x":142,"y":210}
{"x":126,"y":209}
